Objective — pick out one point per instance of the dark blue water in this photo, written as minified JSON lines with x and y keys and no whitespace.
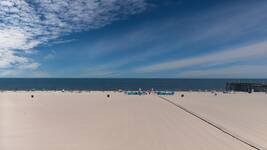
{"x":115,"y":84}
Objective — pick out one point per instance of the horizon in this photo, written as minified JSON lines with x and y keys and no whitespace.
{"x":122,"y":78}
{"x":141,"y":39}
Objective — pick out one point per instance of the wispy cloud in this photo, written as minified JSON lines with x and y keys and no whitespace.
{"x":221,"y":57}
{"x":208,"y":35}
{"x":236,"y":71}
{"x":50,"y":56}
{"x":26,"y":24}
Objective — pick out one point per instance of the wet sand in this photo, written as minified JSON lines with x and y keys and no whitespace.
{"x":67,"y":121}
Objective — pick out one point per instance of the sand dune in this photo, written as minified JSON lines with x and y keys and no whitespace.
{"x":67,"y":121}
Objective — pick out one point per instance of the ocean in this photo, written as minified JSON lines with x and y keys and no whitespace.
{"x":116,"y":84}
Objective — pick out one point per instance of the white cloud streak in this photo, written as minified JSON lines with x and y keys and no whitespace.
{"x":221,"y":57}
{"x":221,"y":26}
{"x":236,"y":71}
{"x":25,"y":24}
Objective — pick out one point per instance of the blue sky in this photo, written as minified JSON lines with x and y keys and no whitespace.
{"x":133,"y":38}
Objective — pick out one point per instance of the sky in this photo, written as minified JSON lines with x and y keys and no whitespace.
{"x":133,"y":38}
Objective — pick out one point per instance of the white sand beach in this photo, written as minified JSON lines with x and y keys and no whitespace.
{"x":242,"y":114}
{"x":90,"y":120}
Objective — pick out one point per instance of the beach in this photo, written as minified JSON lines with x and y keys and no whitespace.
{"x":91,"y":120}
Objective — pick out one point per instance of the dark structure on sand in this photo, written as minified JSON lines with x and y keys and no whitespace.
{"x":246,"y":87}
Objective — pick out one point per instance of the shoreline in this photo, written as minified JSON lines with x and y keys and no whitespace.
{"x":123,"y":91}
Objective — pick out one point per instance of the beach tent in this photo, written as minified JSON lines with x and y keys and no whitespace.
{"x":165,"y":93}
{"x":135,"y":93}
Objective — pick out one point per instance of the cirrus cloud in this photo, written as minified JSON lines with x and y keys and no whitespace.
{"x":25,"y":24}
{"x":250,"y":51}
